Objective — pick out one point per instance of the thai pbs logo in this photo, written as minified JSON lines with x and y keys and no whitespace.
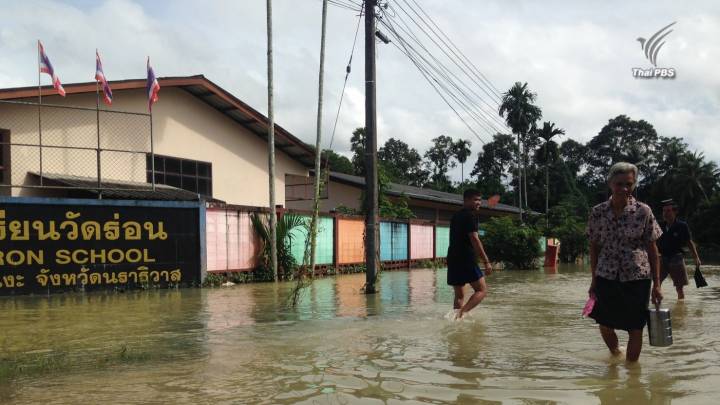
{"x":651,"y":48}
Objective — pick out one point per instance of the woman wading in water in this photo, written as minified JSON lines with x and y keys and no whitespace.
{"x":624,"y":261}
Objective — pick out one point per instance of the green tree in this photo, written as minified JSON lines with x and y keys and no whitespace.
{"x":546,"y":133}
{"x":574,"y":154}
{"x":567,"y":222}
{"x":621,"y":139}
{"x":439,"y":161}
{"x":402,"y":163}
{"x":691,"y":182}
{"x":461,"y":151}
{"x":705,"y":223}
{"x":509,"y":241}
{"x":357,"y":146}
{"x":337,"y":163}
{"x":494,"y":164}
{"x":520,"y":113}
{"x":388,"y":207}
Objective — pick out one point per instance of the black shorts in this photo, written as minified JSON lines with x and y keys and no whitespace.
{"x":463,"y":274}
{"x":621,"y":305}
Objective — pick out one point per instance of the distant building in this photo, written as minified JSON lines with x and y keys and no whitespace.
{"x":346,"y":190}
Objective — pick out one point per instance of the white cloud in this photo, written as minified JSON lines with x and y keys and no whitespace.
{"x":576,"y":57}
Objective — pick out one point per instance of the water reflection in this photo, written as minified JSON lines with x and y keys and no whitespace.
{"x":422,"y":285}
{"x":627,"y":384}
{"x":351,"y":301}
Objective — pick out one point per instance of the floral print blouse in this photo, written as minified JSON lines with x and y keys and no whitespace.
{"x":623,"y":241}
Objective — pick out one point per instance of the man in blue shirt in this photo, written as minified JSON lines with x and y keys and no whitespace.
{"x":676,"y":235}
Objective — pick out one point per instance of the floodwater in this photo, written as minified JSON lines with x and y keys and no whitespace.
{"x":526,"y":344}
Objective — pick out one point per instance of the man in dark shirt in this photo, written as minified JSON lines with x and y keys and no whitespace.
{"x":676,"y":235}
{"x":463,"y":252}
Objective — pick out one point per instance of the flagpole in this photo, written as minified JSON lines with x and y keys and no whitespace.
{"x":40,"y":116}
{"x":152,"y":146}
{"x":152,"y":150}
{"x":97,"y":121}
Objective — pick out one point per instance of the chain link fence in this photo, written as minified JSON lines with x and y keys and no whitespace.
{"x":47,"y":145}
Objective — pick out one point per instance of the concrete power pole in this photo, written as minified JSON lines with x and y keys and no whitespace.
{"x":318,"y":150}
{"x":271,"y":146}
{"x":371,"y":180}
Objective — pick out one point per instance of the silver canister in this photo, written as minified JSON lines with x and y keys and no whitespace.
{"x":659,"y":327}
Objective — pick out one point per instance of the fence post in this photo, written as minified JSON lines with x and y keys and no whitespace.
{"x":434,"y":241}
{"x":336,"y":240}
{"x":409,"y":252}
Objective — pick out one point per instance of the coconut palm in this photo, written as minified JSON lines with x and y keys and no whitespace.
{"x":461,"y":150}
{"x":520,"y":114}
{"x":547,"y":132}
{"x":692,"y":181}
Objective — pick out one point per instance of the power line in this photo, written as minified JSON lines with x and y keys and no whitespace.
{"x":432,"y":81}
{"x":443,"y":48}
{"x":347,"y":4}
{"x":454,"y":58}
{"x":475,"y":68}
{"x":491,"y":114}
{"x":425,"y":68}
{"x":347,"y":74}
{"x":428,"y":68}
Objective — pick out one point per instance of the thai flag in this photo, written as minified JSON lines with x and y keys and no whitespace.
{"x":152,"y":87}
{"x":100,"y":77}
{"x":46,"y":67}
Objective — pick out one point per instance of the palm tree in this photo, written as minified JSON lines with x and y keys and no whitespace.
{"x":286,"y":227}
{"x":520,"y":114}
{"x":547,"y":132}
{"x":692,"y":181}
{"x":461,"y":150}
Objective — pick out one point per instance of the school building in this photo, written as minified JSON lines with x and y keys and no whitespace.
{"x":202,"y":150}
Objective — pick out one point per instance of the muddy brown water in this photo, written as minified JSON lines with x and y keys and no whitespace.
{"x":526,"y":344}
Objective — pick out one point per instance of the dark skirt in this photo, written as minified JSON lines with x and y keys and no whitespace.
{"x":621,"y":305}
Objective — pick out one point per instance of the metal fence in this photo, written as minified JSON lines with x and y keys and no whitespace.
{"x":57,"y":146}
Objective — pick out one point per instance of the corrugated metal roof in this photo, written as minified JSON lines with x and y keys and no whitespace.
{"x":418,"y":193}
{"x":121,"y":190}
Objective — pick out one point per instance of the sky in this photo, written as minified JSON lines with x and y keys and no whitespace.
{"x":577,"y":56}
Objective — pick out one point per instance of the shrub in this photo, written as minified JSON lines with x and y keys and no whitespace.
{"x":509,"y":241}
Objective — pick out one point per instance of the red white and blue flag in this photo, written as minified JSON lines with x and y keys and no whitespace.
{"x":100,"y":78}
{"x":152,"y":87}
{"x":46,"y":67}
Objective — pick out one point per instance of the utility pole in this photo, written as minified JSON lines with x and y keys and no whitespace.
{"x":271,"y":146}
{"x":519,"y":174}
{"x":371,"y":186}
{"x":318,"y":150}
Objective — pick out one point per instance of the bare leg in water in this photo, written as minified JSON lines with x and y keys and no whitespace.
{"x":459,"y":296}
{"x":634,"y":342}
{"x":480,"y":292}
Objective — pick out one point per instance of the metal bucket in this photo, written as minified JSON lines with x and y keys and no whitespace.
{"x":659,"y":327}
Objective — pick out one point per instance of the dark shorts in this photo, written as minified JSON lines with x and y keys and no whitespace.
{"x":621,"y":305}
{"x":461,"y":275}
{"x":674,"y":266}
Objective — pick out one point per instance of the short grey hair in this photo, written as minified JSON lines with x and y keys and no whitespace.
{"x":623,"y":168}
